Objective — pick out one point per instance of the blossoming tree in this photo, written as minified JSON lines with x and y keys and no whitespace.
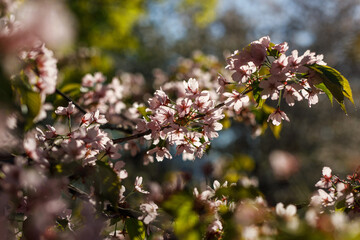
{"x":66,"y":177}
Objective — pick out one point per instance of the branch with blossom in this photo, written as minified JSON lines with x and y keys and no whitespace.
{"x":68,"y":173}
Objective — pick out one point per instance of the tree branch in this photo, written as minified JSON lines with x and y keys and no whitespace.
{"x":70,"y":100}
{"x":117,"y":128}
{"x":135,"y":136}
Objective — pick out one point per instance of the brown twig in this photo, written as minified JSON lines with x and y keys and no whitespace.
{"x":70,"y":100}
{"x":135,"y":136}
{"x":117,"y":128}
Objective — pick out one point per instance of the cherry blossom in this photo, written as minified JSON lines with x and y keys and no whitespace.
{"x":277,"y":116}
{"x":271,"y":88}
{"x":138,"y":185}
{"x":160,"y":152}
{"x":66,"y":111}
{"x":325,"y":181}
{"x":288,"y":212}
{"x":236,"y":100}
{"x":149,"y":212}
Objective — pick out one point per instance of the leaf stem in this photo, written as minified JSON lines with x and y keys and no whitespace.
{"x":279,"y":101}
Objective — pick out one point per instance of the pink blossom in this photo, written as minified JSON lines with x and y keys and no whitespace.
{"x":271,"y":88}
{"x":132,"y":147}
{"x":283,"y":164}
{"x":310,"y":58}
{"x":89,"y":80}
{"x":191,"y":87}
{"x":222,"y":82}
{"x":282,"y":47}
{"x":215,"y":227}
{"x":74,"y":148}
{"x":211,"y":129}
{"x":165,"y":115}
{"x":311,"y":95}
{"x":288,"y":212}
{"x":31,"y":148}
{"x":138,"y":185}
{"x":291,"y":94}
{"x":44,"y":78}
{"x":95,"y":137}
{"x":40,"y":136}
{"x":256,"y":52}
{"x":294,"y":62}
{"x":149,"y":212}
{"x":51,"y":132}
{"x":183,"y":106}
{"x":280,"y":65}
{"x":203,"y":103}
{"x":161,"y":152}
{"x":160,"y":98}
{"x":244,"y":72}
{"x":277,"y":116}
{"x":122,"y":173}
{"x":112,"y":150}
{"x":99,"y":118}
{"x":67,"y":111}
{"x":236,"y":100}
{"x":325,"y":181}
{"x":264,"y":41}
{"x":322,"y":198}
{"x":148,"y":159}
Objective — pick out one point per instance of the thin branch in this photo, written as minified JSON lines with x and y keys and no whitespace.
{"x":135,"y":136}
{"x":117,"y":128}
{"x":70,"y":100}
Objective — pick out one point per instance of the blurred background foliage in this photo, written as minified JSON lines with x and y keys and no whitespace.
{"x":140,"y":35}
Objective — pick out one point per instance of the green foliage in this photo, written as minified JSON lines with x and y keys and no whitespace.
{"x":107,"y":24}
{"x":135,"y":229}
{"x":31,"y":105}
{"x":186,"y":222}
{"x":107,"y":183}
{"x":203,"y":12}
{"x":237,"y":193}
{"x":142,"y":111}
{"x":323,"y":88}
{"x":335,"y":83}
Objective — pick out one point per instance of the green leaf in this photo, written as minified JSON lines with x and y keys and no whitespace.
{"x":275,"y":130}
{"x":187,"y":224}
{"x":340,"y":206}
{"x":257,"y":94}
{"x":323,"y":88}
{"x":135,"y":229}
{"x":264,"y":71}
{"x":336,"y":83}
{"x":107,"y":183}
{"x":142,"y":111}
{"x":72,"y":89}
{"x":31,"y":106}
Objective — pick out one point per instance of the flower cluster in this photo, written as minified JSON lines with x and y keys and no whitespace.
{"x":84,"y":143}
{"x":109,"y":98}
{"x":264,"y":68}
{"x":69,"y":180}
{"x":40,"y":69}
{"x":336,"y":193}
{"x":189,"y":123}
